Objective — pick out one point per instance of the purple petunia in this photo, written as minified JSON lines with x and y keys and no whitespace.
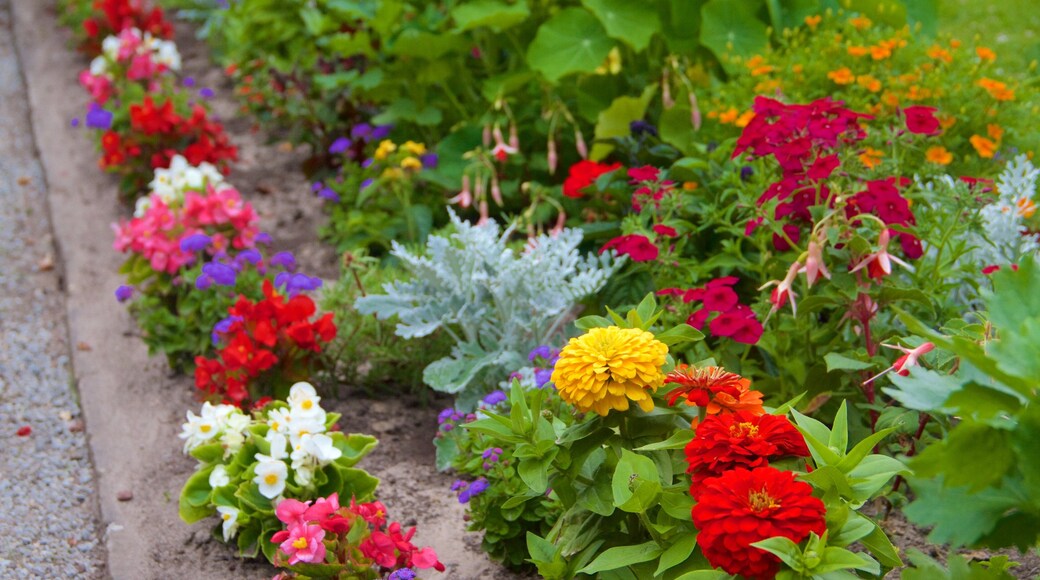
{"x":98,"y":118}
{"x":339,"y":145}
{"x":195,"y":243}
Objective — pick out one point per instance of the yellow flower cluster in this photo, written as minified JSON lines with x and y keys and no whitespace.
{"x":606,"y":368}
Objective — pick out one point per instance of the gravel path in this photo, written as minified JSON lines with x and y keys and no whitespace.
{"x":49,"y":523}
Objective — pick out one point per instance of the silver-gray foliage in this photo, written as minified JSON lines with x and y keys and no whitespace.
{"x":498,"y":304}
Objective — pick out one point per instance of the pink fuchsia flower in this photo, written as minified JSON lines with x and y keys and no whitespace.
{"x":814,"y":265}
{"x":910,"y":358}
{"x":921,"y":120}
{"x":302,"y":543}
{"x":879,"y":263}
{"x":784,"y":290}
{"x":635,"y":246}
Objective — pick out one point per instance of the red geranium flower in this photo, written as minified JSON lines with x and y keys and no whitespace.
{"x":583,"y":174}
{"x":635,"y":246}
{"x":741,"y":439}
{"x":743,"y":507}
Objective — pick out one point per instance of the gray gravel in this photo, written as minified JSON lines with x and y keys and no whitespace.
{"x":48,"y":507}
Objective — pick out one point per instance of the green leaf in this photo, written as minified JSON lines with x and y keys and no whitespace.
{"x":534,"y":473}
{"x":622,"y":556}
{"x":966,"y":448}
{"x":731,"y":28}
{"x":193,"y":504}
{"x":677,"y":553}
{"x":835,"y":558}
{"x":958,"y":516}
{"x":541,"y":550}
{"x":625,"y":20}
{"x":632,"y":471}
{"x":783,"y":548}
{"x":680,"y":334}
{"x":616,"y":120}
{"x":923,"y":389}
{"x":572,"y":41}
{"x":881,"y":547}
{"x":839,"y":438}
{"x":492,"y":14}
{"x":589,"y":322}
{"x":838,"y":362}
{"x":862,"y":449}
{"x":678,"y":440}
{"x":447,"y":452}
{"x":705,"y":575}
{"x":208,"y":453}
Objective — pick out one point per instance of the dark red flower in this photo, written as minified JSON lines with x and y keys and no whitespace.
{"x":664,"y":230}
{"x":635,"y":246}
{"x":699,"y":385}
{"x":583,"y":174}
{"x":741,"y":439}
{"x":921,"y":120}
{"x":743,"y":507}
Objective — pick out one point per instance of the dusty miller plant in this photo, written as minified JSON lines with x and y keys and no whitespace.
{"x":497,"y":303}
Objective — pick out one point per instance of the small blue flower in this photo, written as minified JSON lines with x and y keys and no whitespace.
{"x":220,"y":273}
{"x":189,"y":82}
{"x":381,"y":132}
{"x":543,"y":351}
{"x":263,"y":238}
{"x":339,"y":145}
{"x":206,"y":93}
{"x":248,"y":255}
{"x":476,"y":488}
{"x":203,"y":282}
{"x":458,"y":484}
{"x":366,"y":183}
{"x":329,"y":194}
{"x":429,"y":161}
{"x":542,"y":377}
{"x":195,"y":243}
{"x":445,"y":415}
{"x":223,"y":327}
{"x":98,"y":118}
{"x":124,"y":293}
{"x":74,"y":122}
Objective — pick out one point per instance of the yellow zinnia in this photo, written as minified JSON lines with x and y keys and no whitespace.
{"x":605,"y":368}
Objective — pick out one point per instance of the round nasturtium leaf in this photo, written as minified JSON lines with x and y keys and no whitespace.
{"x":572,"y":41}
{"x":730,"y":28}
{"x":632,"y":22}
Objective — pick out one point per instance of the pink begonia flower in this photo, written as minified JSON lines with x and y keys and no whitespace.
{"x":322,"y":508}
{"x":291,"y":512}
{"x":302,"y":543}
{"x":424,"y":558}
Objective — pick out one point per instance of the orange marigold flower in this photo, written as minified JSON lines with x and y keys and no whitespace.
{"x":725,"y":442}
{"x":983,"y":146}
{"x":728,"y":116}
{"x":1026,"y":207}
{"x":744,"y":118}
{"x":938,"y":155}
{"x":996,"y":89}
{"x":758,"y":66}
{"x":858,"y":51}
{"x":871,"y":158}
{"x":690,"y":185}
{"x":939,"y":53}
{"x":797,"y":69}
{"x":842,"y":76}
{"x":947,"y":121}
{"x":891,"y":99}
{"x":916,"y":93}
{"x":985,"y":54}
{"x":995,"y":132}
{"x":868,"y":82}
{"x":880,"y":52}
{"x":860,"y":22}
{"x":743,"y":507}
{"x":954,"y":43}
{"x":813,"y":21}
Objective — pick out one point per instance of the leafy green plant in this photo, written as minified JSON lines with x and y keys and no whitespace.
{"x":496,"y":303}
{"x":990,"y":390}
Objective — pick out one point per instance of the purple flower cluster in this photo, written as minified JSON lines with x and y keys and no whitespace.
{"x":470,"y":490}
{"x":450,"y":417}
{"x":491,"y":456}
{"x":402,"y":574}
{"x":544,"y":357}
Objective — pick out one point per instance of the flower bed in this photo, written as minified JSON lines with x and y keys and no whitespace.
{"x":825,"y":269}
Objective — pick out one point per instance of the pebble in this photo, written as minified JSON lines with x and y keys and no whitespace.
{"x":125,"y":495}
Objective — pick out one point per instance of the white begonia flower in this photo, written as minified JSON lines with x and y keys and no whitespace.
{"x":98,"y":66}
{"x":270,"y":476}
{"x":303,"y":475}
{"x":279,"y":446}
{"x":219,"y":477}
{"x":303,"y":426}
{"x":303,"y":400}
{"x":142,"y":206}
{"x":166,"y":53}
{"x":199,"y":430}
{"x":230,"y":525}
{"x":193,"y":180}
{"x":279,"y":420}
{"x":110,"y":47}
{"x":321,"y":448}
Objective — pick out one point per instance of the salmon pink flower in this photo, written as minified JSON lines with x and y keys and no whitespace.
{"x":814,"y":265}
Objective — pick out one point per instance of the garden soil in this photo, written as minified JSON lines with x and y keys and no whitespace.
{"x":133,"y":406}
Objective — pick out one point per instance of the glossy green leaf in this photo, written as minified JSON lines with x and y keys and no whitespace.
{"x":625,"y":20}
{"x":572,"y":41}
{"x":492,"y":14}
{"x":621,"y":556}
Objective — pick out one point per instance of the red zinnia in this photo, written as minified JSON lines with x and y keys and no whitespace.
{"x":741,"y":439}
{"x":743,"y":507}
{"x":582,"y":174}
{"x":700,"y":384}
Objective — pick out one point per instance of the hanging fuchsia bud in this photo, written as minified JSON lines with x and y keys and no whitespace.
{"x":579,"y":143}
{"x":497,"y":134}
{"x":514,"y":140}
{"x":910,"y":358}
{"x":496,"y":191}
{"x":550,"y":156}
{"x":561,"y":219}
{"x":695,"y":112}
{"x":486,"y":136}
{"x":464,"y":198}
{"x":666,"y":91}
{"x":814,"y":265}
{"x":484,"y":216}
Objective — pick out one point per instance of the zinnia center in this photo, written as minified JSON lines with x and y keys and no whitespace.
{"x":760,"y":501}
{"x":745,"y":429}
